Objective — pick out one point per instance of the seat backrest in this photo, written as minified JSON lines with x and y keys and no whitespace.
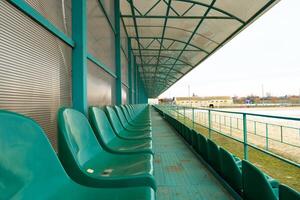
{"x":121,"y":116}
{"x":287,"y":193}
{"x":129,"y":111}
{"x":213,"y":154}
{"x":202,"y":146}
{"x":255,"y":184}
{"x":101,"y":125}
{"x":194,"y":139}
{"x":26,"y":155}
{"x":126,"y":113}
{"x":230,"y":170}
{"x":77,"y":142}
{"x":114,"y":119}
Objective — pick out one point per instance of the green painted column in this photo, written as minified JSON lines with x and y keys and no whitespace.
{"x":130,"y":90}
{"x":79,"y":56}
{"x":135,"y":80}
{"x":245,"y":136}
{"x":118,"y":53}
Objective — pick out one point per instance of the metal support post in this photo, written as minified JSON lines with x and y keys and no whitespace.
{"x":245,"y":136}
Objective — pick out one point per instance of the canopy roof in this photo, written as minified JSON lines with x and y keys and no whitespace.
{"x":170,"y":37}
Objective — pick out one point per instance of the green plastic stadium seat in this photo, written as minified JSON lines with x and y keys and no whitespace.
{"x":87,"y":163}
{"x":139,"y":113}
{"x":189,"y":136}
{"x":255,"y":184}
{"x":186,"y":132}
{"x":213,"y":155}
{"x":30,"y":169}
{"x":287,"y":193}
{"x":125,"y":123}
{"x":108,"y":139}
{"x":231,"y":170}
{"x":194,"y":139}
{"x":202,"y":146}
{"x":132,"y":121}
{"x":119,"y":129}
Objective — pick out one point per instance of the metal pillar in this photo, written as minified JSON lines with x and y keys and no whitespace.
{"x":130,"y":89}
{"x":193,"y":117}
{"x":209,"y":124}
{"x":245,"y":136}
{"x":79,"y":56}
{"x":118,"y":53}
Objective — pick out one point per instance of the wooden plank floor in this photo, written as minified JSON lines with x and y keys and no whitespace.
{"x":178,"y":172}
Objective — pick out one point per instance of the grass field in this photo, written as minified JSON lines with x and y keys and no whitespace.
{"x":284,"y":172}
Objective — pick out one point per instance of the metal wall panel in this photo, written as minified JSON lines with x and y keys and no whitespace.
{"x":100,"y":86}
{"x":101,"y":38}
{"x":124,"y":38}
{"x":124,"y":95}
{"x":35,"y":69}
{"x":57,"y":12}
{"x":124,"y":64}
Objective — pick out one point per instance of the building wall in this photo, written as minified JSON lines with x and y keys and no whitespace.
{"x":217,"y":102}
{"x":35,"y":65}
{"x":36,"y":59}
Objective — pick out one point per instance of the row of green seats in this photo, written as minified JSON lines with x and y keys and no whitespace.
{"x":84,"y":168}
{"x":245,"y":178}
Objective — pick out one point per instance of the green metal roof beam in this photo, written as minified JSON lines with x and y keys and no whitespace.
{"x":162,"y":38}
{"x":232,"y":35}
{"x":152,"y":7}
{"x":214,"y":8}
{"x":167,"y":49}
{"x":195,"y":30}
{"x":172,"y":39}
{"x":162,"y":82}
{"x":188,"y":9}
{"x":174,"y":10}
{"x":162,"y":66}
{"x":152,"y":73}
{"x":178,"y":17}
{"x":135,"y":24}
{"x":172,"y":27}
{"x":106,"y":15}
{"x":163,"y":56}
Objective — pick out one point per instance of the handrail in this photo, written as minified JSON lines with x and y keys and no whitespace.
{"x":209,"y":120}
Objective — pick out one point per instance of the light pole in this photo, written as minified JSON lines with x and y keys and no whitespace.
{"x":262,"y":91}
{"x":189,"y":96}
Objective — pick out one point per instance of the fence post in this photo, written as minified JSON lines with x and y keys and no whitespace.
{"x":184,"y":114}
{"x":281,"y":138}
{"x":245,"y":136}
{"x":267,"y":136}
{"x":193,"y":117}
{"x":230,"y":125}
{"x":209,"y":124}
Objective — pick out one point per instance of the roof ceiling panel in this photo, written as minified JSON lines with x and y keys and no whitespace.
{"x":243,"y":9}
{"x":171,"y":37}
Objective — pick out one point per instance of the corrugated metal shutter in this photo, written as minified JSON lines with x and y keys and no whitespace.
{"x":35,"y":69}
{"x":58,"y":13}
{"x":100,"y":86}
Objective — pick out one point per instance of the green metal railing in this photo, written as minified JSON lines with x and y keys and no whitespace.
{"x":276,"y":136}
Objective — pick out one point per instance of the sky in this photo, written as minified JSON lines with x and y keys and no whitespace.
{"x":264,"y":58}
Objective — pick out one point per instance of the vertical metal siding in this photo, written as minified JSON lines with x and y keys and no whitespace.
{"x":100,"y":86}
{"x":124,"y":95}
{"x":57,"y":12}
{"x":35,"y":69}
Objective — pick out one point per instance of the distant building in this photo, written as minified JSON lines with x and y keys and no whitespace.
{"x":152,"y":101}
{"x":166,"y":101}
{"x":214,"y":101}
